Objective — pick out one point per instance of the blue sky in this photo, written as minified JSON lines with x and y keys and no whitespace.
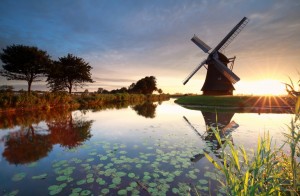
{"x":126,"y":40}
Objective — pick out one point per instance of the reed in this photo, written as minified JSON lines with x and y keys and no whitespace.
{"x":34,"y":100}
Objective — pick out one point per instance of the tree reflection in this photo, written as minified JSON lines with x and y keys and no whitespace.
{"x":68,"y":132}
{"x":31,"y":143}
{"x":26,"y":146}
{"x":146,"y":109}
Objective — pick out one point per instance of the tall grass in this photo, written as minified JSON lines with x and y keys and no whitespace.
{"x":270,"y":170}
{"x":25,"y":101}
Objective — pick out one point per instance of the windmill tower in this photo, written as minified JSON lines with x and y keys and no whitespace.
{"x":219,"y":78}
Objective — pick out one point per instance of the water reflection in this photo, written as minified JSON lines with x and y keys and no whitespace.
{"x":26,"y":145}
{"x":214,"y":120}
{"x":33,"y":134}
{"x":69,"y":132}
{"x":32,"y":142}
{"x":146,"y":109}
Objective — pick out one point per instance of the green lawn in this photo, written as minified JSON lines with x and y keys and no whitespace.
{"x":227,"y":101}
{"x":236,"y":101}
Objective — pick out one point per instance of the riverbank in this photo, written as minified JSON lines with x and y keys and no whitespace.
{"x":257,"y":104}
{"x":10,"y":102}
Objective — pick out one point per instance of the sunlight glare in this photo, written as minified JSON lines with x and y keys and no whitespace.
{"x":261,"y":87}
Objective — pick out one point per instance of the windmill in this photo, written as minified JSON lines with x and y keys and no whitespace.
{"x":219,"y":78}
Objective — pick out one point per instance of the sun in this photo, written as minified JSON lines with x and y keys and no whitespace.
{"x":261,"y":87}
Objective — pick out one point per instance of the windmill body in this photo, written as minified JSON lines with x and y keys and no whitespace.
{"x":219,"y":78}
{"x":215,"y":82}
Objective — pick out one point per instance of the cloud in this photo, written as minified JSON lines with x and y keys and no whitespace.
{"x":133,"y":39}
{"x":112,"y":80}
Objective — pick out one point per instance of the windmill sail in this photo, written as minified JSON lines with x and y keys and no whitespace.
{"x":193,"y":72}
{"x":226,"y":71}
{"x":201,"y":44}
{"x":231,"y":35}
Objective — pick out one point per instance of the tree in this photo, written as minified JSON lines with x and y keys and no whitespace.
{"x":24,"y":63}
{"x":100,"y":90}
{"x":145,"y":85}
{"x":70,"y":71}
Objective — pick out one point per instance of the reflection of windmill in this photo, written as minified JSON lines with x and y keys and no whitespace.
{"x":219,"y":77}
{"x":222,"y":120}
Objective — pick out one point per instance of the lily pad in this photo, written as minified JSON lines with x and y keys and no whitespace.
{"x":116,"y":180}
{"x":13,"y":193}
{"x":32,"y":164}
{"x":93,"y":153}
{"x":192,"y":176}
{"x":18,"y":177}
{"x":39,"y":177}
{"x":81,"y":182}
{"x":122,"y":192}
{"x":203,"y":181}
{"x":121,"y":174}
{"x":152,"y":184}
{"x":112,"y":186}
{"x":133,"y":184}
{"x":103,"y":158}
{"x":85,"y":192}
{"x":147,"y":177}
{"x":90,"y":180}
{"x":105,"y":191}
{"x":90,"y":160}
{"x":100,"y":181}
{"x":175,"y":190}
{"x":55,"y":189}
{"x":76,"y":190}
{"x":177,"y":173}
{"x":131,"y":175}
{"x":60,"y":163}
{"x":62,"y":178}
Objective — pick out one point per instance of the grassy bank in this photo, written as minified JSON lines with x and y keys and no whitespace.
{"x":236,"y":101}
{"x":46,"y":101}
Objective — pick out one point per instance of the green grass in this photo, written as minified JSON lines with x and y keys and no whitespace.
{"x":213,"y":100}
{"x":237,"y":102}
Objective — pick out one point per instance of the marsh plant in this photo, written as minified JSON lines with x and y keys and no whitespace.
{"x":270,"y":170}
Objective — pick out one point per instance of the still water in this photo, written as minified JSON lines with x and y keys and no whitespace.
{"x":148,"y":149}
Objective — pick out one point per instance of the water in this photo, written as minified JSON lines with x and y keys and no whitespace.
{"x":147,"y":149}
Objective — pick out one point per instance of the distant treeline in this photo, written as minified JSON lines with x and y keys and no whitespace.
{"x":24,"y":101}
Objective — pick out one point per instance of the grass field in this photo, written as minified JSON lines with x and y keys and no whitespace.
{"x":236,"y":101}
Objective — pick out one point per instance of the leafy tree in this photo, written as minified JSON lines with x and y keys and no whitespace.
{"x":121,"y":90}
{"x":100,"y":90}
{"x":145,"y":85}
{"x":70,"y":71}
{"x":24,"y":63}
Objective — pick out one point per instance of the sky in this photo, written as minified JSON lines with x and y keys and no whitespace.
{"x":125,"y":41}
